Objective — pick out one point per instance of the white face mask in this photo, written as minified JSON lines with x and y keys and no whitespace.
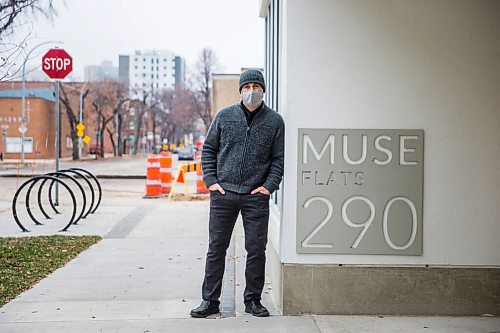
{"x":252,"y":97}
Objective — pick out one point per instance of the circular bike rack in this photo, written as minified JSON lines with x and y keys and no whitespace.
{"x":35,"y":180}
{"x":59,"y":177}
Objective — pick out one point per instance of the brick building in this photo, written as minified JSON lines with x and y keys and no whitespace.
{"x":40,"y":121}
{"x":40,"y":124}
{"x":224,"y":90}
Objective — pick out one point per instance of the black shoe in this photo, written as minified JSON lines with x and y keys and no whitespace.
{"x":205,"y":309}
{"x":255,"y":308}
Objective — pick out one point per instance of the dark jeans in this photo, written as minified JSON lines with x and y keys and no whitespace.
{"x":224,"y":210}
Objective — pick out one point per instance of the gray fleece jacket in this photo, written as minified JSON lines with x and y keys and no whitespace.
{"x":240,"y":157}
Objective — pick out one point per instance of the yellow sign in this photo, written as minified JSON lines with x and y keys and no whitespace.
{"x":87,"y":139}
{"x":80,"y":133}
{"x":80,"y":127}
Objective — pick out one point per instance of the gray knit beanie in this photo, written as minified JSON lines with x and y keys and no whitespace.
{"x":252,"y":76}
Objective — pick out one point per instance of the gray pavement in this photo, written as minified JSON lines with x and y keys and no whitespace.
{"x":146,"y":273}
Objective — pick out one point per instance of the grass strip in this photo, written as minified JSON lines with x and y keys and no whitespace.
{"x":26,"y":260}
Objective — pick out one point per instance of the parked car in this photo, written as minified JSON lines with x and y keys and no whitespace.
{"x":94,"y":148}
{"x":186,"y":153}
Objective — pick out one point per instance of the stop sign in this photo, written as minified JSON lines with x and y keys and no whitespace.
{"x":57,"y":63}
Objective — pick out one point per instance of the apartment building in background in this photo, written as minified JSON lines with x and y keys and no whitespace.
{"x":146,"y":71}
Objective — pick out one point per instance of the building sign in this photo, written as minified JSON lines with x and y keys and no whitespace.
{"x":360,"y":191}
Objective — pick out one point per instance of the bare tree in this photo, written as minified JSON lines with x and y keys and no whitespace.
{"x":101,"y":101}
{"x":10,"y":10}
{"x":12,"y":49}
{"x":207,"y":63}
{"x":181,"y":113}
{"x":108,"y":99}
{"x":141,"y":108}
{"x":119,"y":100}
{"x":70,"y":100}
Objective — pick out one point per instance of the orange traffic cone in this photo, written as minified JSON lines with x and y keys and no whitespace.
{"x":153,"y":186}
{"x":180,"y":178}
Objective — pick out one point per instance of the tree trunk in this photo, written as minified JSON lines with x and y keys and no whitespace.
{"x":154,"y":132}
{"x":72,"y":123}
{"x":119,"y":135}
{"x":111,"y":134}
{"x":137,"y":130}
{"x":101,"y":137}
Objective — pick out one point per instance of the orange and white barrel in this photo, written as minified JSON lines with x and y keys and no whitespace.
{"x":166,"y":172}
{"x":200,"y":184}
{"x":153,"y":185}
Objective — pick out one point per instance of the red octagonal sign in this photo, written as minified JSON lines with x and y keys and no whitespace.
{"x":57,"y":63}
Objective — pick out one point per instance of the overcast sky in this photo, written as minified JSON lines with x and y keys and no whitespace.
{"x":97,"y":30}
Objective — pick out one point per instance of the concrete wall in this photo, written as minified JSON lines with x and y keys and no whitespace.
{"x":430,"y":65}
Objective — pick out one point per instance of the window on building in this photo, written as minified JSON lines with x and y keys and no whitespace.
{"x":69,"y":142}
{"x":157,"y":60}
{"x":143,"y":59}
{"x":13,"y":145}
{"x":143,"y":74}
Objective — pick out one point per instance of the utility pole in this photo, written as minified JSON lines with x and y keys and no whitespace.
{"x":80,"y":139}
{"x":23,"y":121}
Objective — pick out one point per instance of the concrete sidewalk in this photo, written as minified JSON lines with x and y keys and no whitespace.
{"x":146,"y":273}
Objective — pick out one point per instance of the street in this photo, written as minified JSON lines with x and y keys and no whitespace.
{"x":122,"y":180}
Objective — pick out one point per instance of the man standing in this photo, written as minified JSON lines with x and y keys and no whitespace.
{"x":242,"y":164}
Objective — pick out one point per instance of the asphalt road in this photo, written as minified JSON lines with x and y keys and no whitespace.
{"x":128,"y":165}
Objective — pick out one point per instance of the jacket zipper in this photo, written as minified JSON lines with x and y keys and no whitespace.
{"x":243,"y":155}
{"x":245,"y":146}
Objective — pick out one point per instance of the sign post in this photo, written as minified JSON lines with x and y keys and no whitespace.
{"x":57,"y":64}
{"x":4,"y":137}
